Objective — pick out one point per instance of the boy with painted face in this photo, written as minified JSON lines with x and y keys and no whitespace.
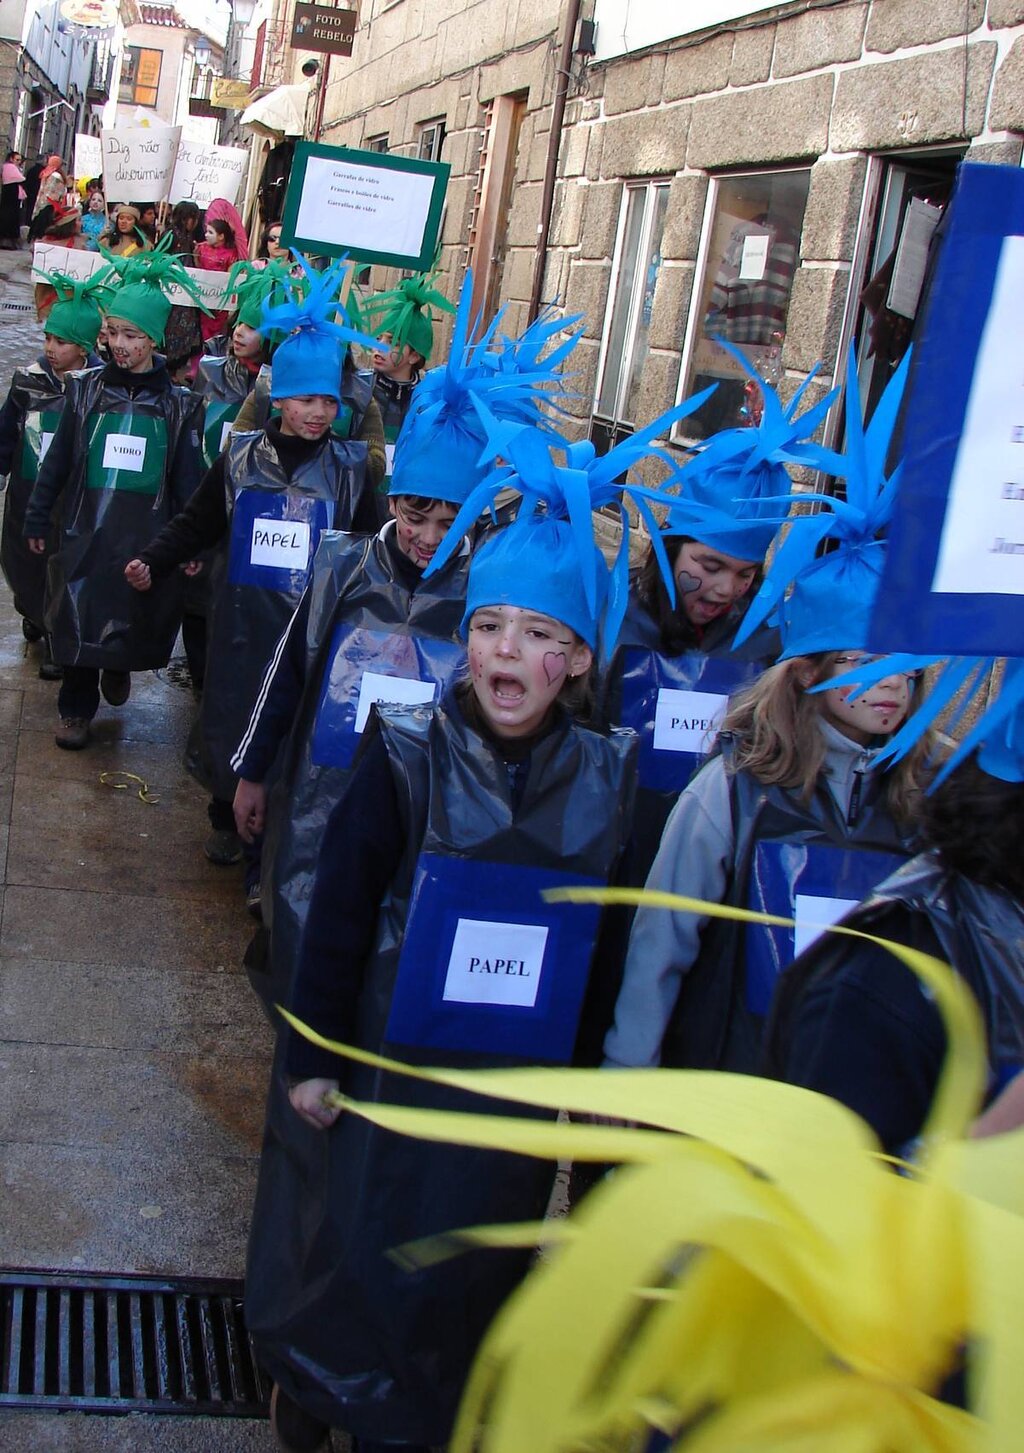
{"x":369,"y":624}
{"x":27,"y":424}
{"x":264,"y":503}
{"x":426,"y":927}
{"x":124,"y":459}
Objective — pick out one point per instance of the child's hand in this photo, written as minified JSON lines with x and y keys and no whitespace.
{"x":250,"y":809}
{"x":37,"y":544}
{"x":192,"y":567}
{"x":137,"y":574}
{"x":307,"y":1100}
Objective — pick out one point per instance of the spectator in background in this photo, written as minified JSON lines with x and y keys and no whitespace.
{"x":12,"y":195}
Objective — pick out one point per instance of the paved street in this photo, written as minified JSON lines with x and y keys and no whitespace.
{"x":133,"y":1055}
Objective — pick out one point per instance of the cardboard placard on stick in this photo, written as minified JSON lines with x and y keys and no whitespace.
{"x":203,"y":172}
{"x":369,"y":206}
{"x":138,"y":162}
{"x":88,"y":157}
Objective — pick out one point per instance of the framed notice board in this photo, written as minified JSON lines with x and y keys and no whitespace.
{"x":366,"y":205}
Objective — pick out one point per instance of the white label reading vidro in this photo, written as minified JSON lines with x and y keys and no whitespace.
{"x":124,"y":451}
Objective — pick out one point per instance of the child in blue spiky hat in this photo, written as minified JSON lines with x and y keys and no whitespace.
{"x":358,"y":417}
{"x":794,"y":806}
{"x":371,"y":615}
{"x":263,"y":504}
{"x":427,"y":931}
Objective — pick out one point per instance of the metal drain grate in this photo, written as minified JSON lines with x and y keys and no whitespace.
{"x":127,"y":1344}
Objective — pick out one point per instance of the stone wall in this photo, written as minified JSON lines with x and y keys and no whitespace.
{"x":824,"y":85}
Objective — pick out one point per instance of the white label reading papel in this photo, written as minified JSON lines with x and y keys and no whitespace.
{"x":813,"y":915}
{"x":124,"y":451}
{"x":283,"y":544}
{"x":686,"y":721}
{"x":375,"y":686}
{"x":496,"y":963}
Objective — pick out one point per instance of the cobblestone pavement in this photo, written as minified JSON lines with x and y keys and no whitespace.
{"x":133,"y":1055}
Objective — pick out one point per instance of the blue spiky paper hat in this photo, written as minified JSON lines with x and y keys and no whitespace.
{"x":729,"y":491}
{"x":548,"y":559}
{"x":439,"y":451}
{"x":311,"y":357}
{"x":823,"y":602}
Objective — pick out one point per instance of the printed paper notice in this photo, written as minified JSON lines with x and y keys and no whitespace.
{"x":124,"y":451}
{"x":981,"y":550}
{"x":686,"y":721}
{"x":281,"y":544}
{"x":754,"y":257}
{"x":813,"y":915}
{"x":45,"y":440}
{"x":496,"y":963}
{"x":364,"y":207}
{"x":376,"y":687}
{"x":389,"y":451}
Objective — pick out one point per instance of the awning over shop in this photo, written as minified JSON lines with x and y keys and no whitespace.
{"x":280,"y":113}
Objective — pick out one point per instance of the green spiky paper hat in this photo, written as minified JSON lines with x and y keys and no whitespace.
{"x":251,"y":286}
{"x":142,"y":295}
{"x":405,"y":313}
{"x":77,"y":315}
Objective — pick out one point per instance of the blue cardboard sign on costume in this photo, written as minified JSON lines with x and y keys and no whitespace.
{"x":954,"y":577}
{"x":675,"y":704}
{"x":487,"y":966}
{"x":368,"y":666}
{"x":815,"y":884}
{"x":274,"y":538}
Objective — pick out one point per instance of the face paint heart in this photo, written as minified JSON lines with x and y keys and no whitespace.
{"x":688,"y":583}
{"x":554,"y":666}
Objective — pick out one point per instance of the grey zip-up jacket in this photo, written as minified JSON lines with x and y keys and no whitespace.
{"x":696,"y":860}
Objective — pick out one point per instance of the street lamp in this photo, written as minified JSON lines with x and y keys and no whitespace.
{"x":242,"y":12}
{"x":202,"y":52}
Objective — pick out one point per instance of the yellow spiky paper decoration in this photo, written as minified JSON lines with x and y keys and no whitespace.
{"x":755,"y":1278}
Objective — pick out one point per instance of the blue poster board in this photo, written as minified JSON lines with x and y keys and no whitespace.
{"x":954,"y":576}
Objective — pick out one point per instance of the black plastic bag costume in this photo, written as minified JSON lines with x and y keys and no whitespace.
{"x":123,"y":464}
{"x":259,"y":574}
{"x":36,"y":402}
{"x":378,"y":1350}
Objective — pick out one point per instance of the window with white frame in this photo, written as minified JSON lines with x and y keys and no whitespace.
{"x":748,"y":258}
{"x":430,"y":140}
{"x":627,"y":322}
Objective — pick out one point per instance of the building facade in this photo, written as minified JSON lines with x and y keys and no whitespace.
{"x":50,"y":75}
{"x":768,"y":174}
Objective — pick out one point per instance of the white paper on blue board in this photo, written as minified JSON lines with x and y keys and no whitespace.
{"x":375,"y":686}
{"x":981,"y":548}
{"x":813,"y":914}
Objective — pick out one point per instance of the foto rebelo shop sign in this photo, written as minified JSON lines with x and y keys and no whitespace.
{"x":322,"y":28}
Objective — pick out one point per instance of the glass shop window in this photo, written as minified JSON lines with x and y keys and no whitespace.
{"x":750,"y":251}
{"x":628,"y":320}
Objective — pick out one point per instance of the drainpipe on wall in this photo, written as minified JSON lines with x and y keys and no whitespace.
{"x":547,"y":198}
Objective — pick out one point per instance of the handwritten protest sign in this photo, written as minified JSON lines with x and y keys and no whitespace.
{"x":202,"y":172}
{"x":88,"y":157}
{"x":374,"y":207}
{"x":48,"y":258}
{"x":138,"y":162}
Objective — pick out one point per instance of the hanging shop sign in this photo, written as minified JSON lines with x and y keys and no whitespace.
{"x":323,"y":28}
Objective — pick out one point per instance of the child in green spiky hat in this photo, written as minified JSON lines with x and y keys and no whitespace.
{"x":28,"y":421}
{"x":124,"y":458}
